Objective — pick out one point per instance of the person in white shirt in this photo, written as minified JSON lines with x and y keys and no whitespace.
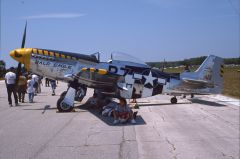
{"x":35,"y":78}
{"x":10,"y":80}
{"x":30,"y":88}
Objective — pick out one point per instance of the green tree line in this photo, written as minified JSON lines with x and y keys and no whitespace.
{"x":2,"y":68}
{"x":190,"y":62}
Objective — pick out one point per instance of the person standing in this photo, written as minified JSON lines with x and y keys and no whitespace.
{"x":35,"y":78}
{"x":40,"y":84}
{"x":21,"y":88}
{"x":10,"y":80}
{"x":46,"y":82}
{"x":53,"y":86}
{"x":30,"y":88}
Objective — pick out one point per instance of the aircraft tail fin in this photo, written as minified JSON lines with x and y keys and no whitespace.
{"x":211,"y":71}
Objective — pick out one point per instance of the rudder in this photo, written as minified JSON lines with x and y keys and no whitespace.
{"x":211,"y":70}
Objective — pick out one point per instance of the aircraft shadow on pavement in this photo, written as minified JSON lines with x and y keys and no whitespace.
{"x":109,"y":120}
{"x":96,"y":112}
{"x":205,"y":102}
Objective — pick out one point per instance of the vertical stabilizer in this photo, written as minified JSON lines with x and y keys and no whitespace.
{"x":211,"y":70}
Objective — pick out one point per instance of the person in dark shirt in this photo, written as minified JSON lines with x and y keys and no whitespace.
{"x":46,"y":82}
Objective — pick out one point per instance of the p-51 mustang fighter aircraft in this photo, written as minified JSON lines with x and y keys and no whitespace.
{"x":122,"y":76}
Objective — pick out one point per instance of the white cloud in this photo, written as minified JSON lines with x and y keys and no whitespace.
{"x":55,"y":16}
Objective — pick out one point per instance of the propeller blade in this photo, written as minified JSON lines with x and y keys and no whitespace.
{"x":18,"y":71}
{"x":24,"y":36}
{"x":19,"y":68}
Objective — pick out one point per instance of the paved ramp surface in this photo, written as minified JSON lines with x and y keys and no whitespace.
{"x":200,"y":128}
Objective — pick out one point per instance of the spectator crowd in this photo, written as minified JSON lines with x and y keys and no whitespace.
{"x":27,"y":83}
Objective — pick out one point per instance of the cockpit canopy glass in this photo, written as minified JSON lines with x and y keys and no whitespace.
{"x":120,"y":56}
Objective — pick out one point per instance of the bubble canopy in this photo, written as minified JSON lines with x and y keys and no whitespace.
{"x":120,"y":56}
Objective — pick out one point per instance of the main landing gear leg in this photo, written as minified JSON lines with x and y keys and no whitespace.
{"x":173,"y":100}
{"x":192,"y":95}
{"x":66,"y":102}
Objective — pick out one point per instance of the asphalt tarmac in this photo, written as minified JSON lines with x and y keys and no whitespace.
{"x":199,"y":128}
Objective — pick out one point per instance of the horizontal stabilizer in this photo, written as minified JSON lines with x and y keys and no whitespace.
{"x":198,"y":82}
{"x":208,"y":78}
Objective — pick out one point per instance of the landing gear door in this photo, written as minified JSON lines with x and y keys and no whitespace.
{"x":127,"y":87}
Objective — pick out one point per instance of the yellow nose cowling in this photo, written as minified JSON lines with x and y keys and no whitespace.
{"x":22,"y":55}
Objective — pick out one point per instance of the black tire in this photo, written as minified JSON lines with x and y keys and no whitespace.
{"x":173,"y":100}
{"x":63,"y":108}
{"x":63,"y":94}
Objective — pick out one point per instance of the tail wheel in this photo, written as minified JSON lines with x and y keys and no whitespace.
{"x":173,"y":100}
{"x":63,"y":107}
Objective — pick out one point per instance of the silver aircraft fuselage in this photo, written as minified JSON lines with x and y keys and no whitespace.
{"x":127,"y":79}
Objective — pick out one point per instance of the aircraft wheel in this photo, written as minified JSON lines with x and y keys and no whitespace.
{"x":80,"y":94}
{"x":63,"y":107}
{"x":63,"y":94}
{"x":173,"y":100}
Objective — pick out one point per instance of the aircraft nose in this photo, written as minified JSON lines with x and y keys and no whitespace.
{"x":12,"y":53}
{"x":21,"y":55}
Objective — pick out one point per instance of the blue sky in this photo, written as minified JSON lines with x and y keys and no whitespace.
{"x":151,"y":30}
